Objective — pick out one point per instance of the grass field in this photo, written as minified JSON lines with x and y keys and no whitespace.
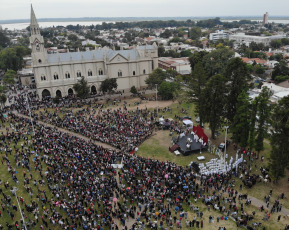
{"x":157,"y":148}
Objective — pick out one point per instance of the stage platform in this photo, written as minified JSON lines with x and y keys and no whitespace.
{"x":194,"y":146}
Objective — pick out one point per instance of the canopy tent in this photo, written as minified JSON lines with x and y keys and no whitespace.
{"x":200,"y":132}
{"x":188,"y":123}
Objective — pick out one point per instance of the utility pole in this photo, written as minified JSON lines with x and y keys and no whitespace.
{"x":157,"y":96}
{"x":15,"y":190}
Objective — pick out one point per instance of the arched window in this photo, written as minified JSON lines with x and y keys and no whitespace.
{"x":43,"y":78}
{"x":39,"y":61}
{"x":78,"y":74}
{"x":119,"y":73}
{"x":133,"y":73}
{"x":45,"y":93}
{"x":144,"y":71}
{"x":58,"y":93}
{"x":67,"y":75}
{"x":100,"y":72}
{"x":56,"y":76}
{"x":93,"y":90}
{"x":89,"y":73}
{"x":70,"y":91}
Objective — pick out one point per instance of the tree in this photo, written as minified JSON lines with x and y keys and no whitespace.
{"x":237,"y":75}
{"x":171,"y":74}
{"x":280,"y":69}
{"x":264,"y":113}
{"x":186,"y":53}
{"x":3,"y":100}
{"x":4,"y":40}
{"x":241,"y":124}
{"x":3,"y":88}
{"x":259,"y":69}
{"x":195,"y":33}
{"x":133,"y":90}
{"x":171,"y":53}
{"x":252,"y":131}
{"x":167,"y":89}
{"x":197,"y":57}
{"x":280,"y":139}
{"x":161,"y":51}
{"x":12,"y":58}
{"x":108,"y":85}
{"x":72,"y":37}
{"x":180,"y":95}
{"x":155,"y":78}
{"x":216,"y":61}
{"x":197,"y":84}
{"x":9,"y":77}
{"x":166,"y":34}
{"x":81,"y":88}
{"x":214,"y":94}
{"x":276,"y":44}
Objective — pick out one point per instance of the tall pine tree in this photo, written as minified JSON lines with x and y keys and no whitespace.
{"x":237,"y":75}
{"x":252,"y":132}
{"x":280,"y":139}
{"x":197,"y":84}
{"x":214,"y":94}
{"x":264,"y":113}
{"x":241,"y":125}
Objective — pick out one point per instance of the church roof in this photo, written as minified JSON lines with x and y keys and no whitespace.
{"x":100,"y":54}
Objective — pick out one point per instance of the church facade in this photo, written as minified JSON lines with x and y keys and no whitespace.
{"x":55,"y":74}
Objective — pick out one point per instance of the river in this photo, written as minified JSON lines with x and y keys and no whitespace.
{"x":20,"y":26}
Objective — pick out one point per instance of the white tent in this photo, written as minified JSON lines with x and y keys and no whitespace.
{"x":188,"y":123}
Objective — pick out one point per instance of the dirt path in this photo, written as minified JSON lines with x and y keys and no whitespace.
{"x":72,"y":133}
{"x":258,"y":203}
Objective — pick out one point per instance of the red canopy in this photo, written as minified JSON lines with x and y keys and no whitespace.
{"x":201,"y":134}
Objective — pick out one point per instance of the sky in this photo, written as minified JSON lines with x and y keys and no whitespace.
{"x":20,"y":9}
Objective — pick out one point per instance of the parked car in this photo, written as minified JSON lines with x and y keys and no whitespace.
{"x":222,"y":145}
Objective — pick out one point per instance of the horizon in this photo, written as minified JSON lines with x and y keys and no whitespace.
{"x":236,"y":17}
{"x":20,"y":10}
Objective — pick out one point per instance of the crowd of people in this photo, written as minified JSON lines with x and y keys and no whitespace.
{"x":86,"y":191}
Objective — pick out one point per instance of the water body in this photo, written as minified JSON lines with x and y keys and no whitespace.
{"x":277,"y":21}
{"x":20,"y":26}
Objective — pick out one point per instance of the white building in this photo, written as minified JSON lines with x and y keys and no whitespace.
{"x":56,"y":73}
{"x":181,"y":65}
{"x":241,"y":38}
{"x":88,"y":42}
{"x":220,"y":34}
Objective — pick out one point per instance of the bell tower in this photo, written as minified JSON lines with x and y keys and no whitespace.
{"x":39,"y":53}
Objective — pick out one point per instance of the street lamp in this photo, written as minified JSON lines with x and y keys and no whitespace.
{"x":226,"y":127}
{"x":157,"y":97}
{"x":15,"y":190}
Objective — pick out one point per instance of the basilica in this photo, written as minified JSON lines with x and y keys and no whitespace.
{"x":55,"y":74}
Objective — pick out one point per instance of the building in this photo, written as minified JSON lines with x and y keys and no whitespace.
{"x":26,"y":77}
{"x":220,"y":34}
{"x":181,"y":65}
{"x":56,"y":73}
{"x":265,"y":18}
{"x":242,"y":38}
